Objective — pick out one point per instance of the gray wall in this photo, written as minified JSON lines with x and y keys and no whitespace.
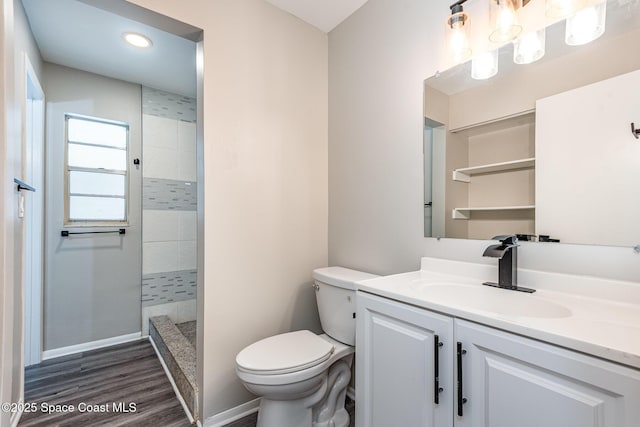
{"x":377,"y":63}
{"x":378,"y":60}
{"x":92,"y":284}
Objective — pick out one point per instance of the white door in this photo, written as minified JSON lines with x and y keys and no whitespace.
{"x":512,"y":381}
{"x":582,"y":136}
{"x":397,"y":359}
{"x":34,"y":217}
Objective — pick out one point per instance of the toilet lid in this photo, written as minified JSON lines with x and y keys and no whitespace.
{"x":284,"y":353}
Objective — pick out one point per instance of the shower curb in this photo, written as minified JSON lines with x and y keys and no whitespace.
{"x":179,"y":356}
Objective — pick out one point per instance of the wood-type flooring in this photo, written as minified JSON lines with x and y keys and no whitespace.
{"x":122,"y":385}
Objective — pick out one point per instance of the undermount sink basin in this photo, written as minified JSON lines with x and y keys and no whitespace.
{"x":488,"y":299}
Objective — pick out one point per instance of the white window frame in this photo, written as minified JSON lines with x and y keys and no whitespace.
{"x":67,"y":169}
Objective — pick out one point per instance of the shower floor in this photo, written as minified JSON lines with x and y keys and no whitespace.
{"x":188,"y":329}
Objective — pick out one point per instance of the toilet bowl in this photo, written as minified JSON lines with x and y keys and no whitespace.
{"x":302,"y":377}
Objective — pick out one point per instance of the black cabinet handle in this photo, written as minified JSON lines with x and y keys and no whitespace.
{"x":461,"y":400}
{"x":436,"y":369}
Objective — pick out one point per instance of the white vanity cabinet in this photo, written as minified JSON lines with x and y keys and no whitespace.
{"x":509,"y":380}
{"x":397,"y":358}
{"x":506,"y":380}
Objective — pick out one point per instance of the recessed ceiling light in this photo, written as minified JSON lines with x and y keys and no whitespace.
{"x":137,"y":40}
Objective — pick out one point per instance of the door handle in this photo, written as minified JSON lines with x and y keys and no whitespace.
{"x":461,"y":399}
{"x":436,"y":369}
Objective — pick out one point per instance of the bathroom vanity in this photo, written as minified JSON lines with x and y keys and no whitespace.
{"x":436,"y":348}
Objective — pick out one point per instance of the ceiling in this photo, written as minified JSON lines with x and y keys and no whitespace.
{"x":322,"y":14}
{"x":81,"y":36}
{"x":78,"y":35}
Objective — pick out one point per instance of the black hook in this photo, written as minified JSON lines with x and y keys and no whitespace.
{"x":635,"y":132}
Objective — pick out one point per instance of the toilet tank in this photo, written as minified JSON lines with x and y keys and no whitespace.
{"x":336,"y":298}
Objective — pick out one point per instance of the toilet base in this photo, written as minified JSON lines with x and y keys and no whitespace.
{"x":283,"y":413}
{"x":340,"y":419}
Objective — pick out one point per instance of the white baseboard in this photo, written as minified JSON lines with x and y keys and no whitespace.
{"x":72,"y":349}
{"x":15,"y":418}
{"x":173,"y":383}
{"x":233,"y":414}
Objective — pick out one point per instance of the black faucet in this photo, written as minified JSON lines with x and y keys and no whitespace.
{"x":507,"y":254}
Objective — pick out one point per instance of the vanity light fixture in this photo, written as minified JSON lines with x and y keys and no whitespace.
{"x":529,"y":47}
{"x":504,"y":20}
{"x":458,"y":32}
{"x":586,"y":25}
{"x":485,"y":65}
{"x":137,"y":40}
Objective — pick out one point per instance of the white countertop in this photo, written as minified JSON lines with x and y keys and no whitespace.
{"x":596,"y":316}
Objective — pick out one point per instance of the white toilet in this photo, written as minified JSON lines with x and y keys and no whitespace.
{"x":303,"y":377}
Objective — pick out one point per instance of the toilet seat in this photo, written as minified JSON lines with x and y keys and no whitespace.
{"x":285,"y":353}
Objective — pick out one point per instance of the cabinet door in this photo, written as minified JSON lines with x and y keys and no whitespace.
{"x":512,"y":381}
{"x":396,"y":364}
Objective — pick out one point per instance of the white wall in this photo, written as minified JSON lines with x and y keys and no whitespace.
{"x":16,"y":41}
{"x":264,"y":173}
{"x":378,"y":60}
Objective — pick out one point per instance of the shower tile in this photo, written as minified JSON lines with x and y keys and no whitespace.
{"x":187,"y":166}
{"x":187,"y":137}
{"x":169,"y":286}
{"x":186,"y":311}
{"x":158,"y":257}
{"x":159,"y":132}
{"x":187,"y":255}
{"x":162,"y":226}
{"x":160,"y":163}
{"x":165,"y":194}
{"x":168,"y":105}
{"x":188,"y":225}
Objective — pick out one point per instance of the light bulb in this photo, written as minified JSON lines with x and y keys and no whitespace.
{"x":485,"y":65}
{"x":504,"y":20}
{"x":586,"y":25}
{"x":459,"y":45}
{"x":458,"y":36}
{"x":529,"y":47}
{"x":137,"y":40}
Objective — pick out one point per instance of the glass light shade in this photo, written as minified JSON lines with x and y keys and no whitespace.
{"x":586,"y":25}
{"x":562,"y":8}
{"x":485,"y":65}
{"x":529,"y":47}
{"x":458,"y":36}
{"x":504,"y":20}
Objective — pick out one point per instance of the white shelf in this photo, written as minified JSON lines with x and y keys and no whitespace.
{"x":464,"y":174}
{"x":465,"y":213}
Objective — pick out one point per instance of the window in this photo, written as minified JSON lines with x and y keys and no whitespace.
{"x":96,"y":171}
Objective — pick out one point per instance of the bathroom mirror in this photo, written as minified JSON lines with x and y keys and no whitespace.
{"x":543,"y":150}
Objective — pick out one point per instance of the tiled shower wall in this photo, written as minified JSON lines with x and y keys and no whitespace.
{"x":168,"y":206}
